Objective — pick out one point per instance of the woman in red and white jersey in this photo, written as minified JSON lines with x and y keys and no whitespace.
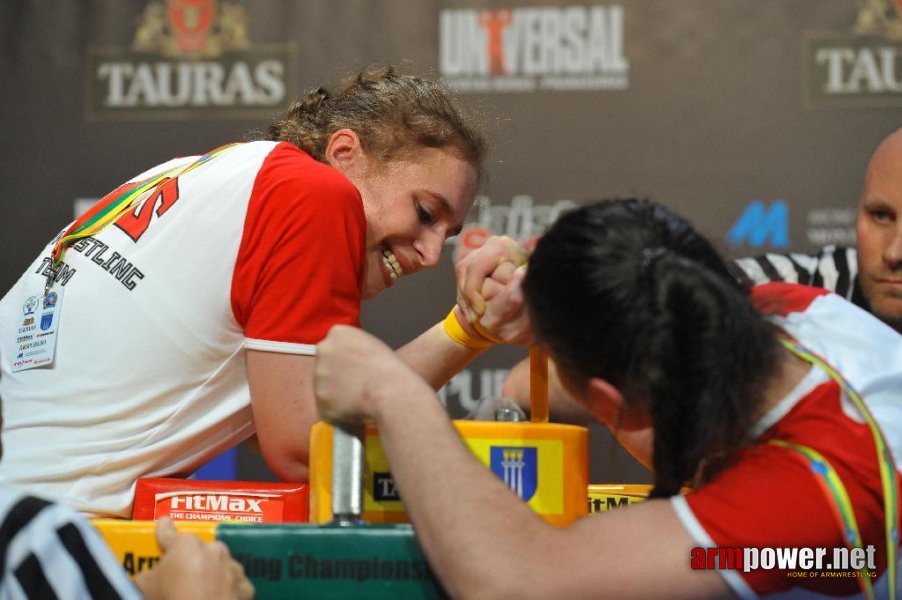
{"x":781,"y":409}
{"x":179,"y":316}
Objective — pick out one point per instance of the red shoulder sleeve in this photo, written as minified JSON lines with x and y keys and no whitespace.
{"x":778,"y":298}
{"x":768,"y":499}
{"x":301,"y":259}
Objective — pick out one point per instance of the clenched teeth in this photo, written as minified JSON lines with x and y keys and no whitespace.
{"x":391,"y":263}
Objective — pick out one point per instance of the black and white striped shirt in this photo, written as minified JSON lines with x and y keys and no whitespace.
{"x":834,"y":268}
{"x":48,"y":551}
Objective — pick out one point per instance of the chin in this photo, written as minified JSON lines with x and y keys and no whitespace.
{"x":370,"y":291}
{"x":892,"y":316}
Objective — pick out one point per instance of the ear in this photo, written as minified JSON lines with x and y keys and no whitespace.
{"x":344,"y":150}
{"x":611,"y":408}
{"x":604,"y":401}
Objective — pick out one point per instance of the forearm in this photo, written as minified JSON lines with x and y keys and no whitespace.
{"x":436,"y":357}
{"x":472,"y":528}
{"x":491,"y":279}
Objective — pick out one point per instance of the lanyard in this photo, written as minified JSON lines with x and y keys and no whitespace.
{"x":105,"y":212}
{"x":832,"y":485}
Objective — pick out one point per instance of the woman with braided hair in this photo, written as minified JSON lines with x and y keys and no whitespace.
{"x":190,"y":299}
{"x":780,"y":422}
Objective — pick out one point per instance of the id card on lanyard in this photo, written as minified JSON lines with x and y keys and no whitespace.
{"x":37,"y":328}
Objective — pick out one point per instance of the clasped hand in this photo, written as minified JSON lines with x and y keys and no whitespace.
{"x":355,"y":372}
{"x":489,"y":289}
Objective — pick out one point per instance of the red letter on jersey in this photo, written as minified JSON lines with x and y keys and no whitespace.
{"x":136,"y":222}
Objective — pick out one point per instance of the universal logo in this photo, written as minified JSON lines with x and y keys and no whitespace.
{"x":189,"y":59}
{"x":555,"y":49}
{"x":861,"y":69}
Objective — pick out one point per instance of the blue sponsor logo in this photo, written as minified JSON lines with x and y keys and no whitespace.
{"x":30,"y":306}
{"x":518,"y":467}
{"x":760,"y":225}
{"x":46,"y":321}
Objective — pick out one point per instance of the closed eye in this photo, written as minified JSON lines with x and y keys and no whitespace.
{"x":424,"y":215}
{"x":442,"y":211}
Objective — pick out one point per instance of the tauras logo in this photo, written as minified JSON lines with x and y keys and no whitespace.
{"x":859,"y":69}
{"x":189,"y":59}
{"x":384,"y":487}
{"x":540,"y":48}
{"x":222,"y":502}
{"x":194,"y":84}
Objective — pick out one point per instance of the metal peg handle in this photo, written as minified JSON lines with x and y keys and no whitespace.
{"x":347,"y":474}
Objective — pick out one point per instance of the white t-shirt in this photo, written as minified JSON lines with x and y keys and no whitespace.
{"x":261,"y":247}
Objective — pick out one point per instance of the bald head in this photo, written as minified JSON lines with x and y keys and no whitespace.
{"x":883,"y":167}
{"x":880,"y":231}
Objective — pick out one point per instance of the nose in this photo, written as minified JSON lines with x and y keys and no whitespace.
{"x":892,"y":252}
{"x":429,"y":248}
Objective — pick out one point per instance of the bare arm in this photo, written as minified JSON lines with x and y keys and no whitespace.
{"x":433,"y":355}
{"x":482,"y":541}
{"x":283,"y":404}
{"x":284,"y":410}
{"x":280,"y":384}
{"x":436,"y":357}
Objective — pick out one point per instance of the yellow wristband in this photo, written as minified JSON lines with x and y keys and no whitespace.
{"x":456,"y":332}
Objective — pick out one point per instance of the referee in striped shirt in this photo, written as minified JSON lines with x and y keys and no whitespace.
{"x":834,"y":268}
{"x":870,"y":276}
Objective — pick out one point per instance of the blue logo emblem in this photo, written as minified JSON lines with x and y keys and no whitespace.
{"x":46,"y":321}
{"x":30,"y":306}
{"x":50,"y":300}
{"x":759,"y":223}
{"x":518,"y":467}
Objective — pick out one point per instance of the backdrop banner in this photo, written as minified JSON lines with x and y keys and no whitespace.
{"x":753,"y":118}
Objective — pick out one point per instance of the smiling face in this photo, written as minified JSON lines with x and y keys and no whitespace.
{"x":412,"y":205}
{"x":879,"y":229}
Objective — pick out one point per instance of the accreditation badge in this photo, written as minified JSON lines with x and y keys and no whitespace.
{"x":37,"y":329}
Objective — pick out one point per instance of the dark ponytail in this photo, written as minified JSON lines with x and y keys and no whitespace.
{"x":714,"y":356}
{"x":628,"y":292}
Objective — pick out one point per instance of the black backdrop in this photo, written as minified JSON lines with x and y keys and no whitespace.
{"x":754,"y":118}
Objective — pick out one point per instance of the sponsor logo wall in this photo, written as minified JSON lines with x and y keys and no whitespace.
{"x":532,"y":49}
{"x":753,"y":118}
{"x":188,"y":59}
{"x":862,"y":67}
